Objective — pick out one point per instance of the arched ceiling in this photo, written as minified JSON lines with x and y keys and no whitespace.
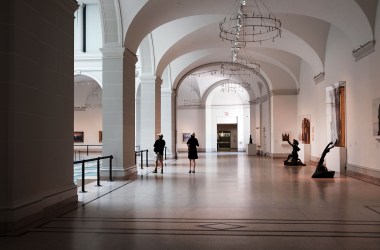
{"x":184,"y":34}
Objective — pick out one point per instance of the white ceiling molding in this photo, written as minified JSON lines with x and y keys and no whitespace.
{"x":319,"y":78}
{"x":364,"y":50}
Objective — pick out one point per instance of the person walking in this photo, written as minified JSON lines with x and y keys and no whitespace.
{"x":159,"y":146}
{"x":192,"y":145}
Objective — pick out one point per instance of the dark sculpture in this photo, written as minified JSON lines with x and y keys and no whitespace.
{"x":295,"y":160}
{"x":250,"y":139}
{"x":321,"y":171}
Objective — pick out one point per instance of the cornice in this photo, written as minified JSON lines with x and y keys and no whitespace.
{"x":364,"y":50}
{"x":319,"y":78}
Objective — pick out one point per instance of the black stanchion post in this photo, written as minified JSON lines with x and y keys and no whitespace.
{"x":98,"y":172}
{"x":83,"y":180}
{"x":87,"y":150}
{"x":147,"y":158}
{"x":142,"y":159}
{"x":111,"y":157}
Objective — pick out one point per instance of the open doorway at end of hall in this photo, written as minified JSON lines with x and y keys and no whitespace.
{"x":227,"y":137}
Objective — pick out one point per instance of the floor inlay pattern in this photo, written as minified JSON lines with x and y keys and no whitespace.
{"x":248,"y":227}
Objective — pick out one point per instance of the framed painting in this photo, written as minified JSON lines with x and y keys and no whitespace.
{"x":78,"y":136}
{"x":186,"y":136}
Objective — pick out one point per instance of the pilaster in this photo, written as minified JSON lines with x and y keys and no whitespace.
{"x":150,"y":106}
{"x":119,"y":111}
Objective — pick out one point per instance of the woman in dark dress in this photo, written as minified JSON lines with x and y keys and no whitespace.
{"x":192,"y":145}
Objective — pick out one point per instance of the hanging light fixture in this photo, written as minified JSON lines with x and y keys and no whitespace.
{"x":235,"y":87}
{"x":240,"y":65}
{"x":250,"y":22}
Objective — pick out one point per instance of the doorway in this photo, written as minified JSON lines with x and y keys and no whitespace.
{"x":227,"y":137}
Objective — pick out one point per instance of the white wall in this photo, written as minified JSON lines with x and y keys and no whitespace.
{"x":265,"y":126}
{"x":284,"y":119}
{"x":194,"y":119}
{"x":362,"y":86}
{"x":190,"y":120}
{"x":90,"y":122}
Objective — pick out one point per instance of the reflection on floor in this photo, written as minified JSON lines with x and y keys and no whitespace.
{"x":233,"y":201}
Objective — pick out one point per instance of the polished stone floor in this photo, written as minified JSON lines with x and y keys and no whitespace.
{"x":233,"y":201}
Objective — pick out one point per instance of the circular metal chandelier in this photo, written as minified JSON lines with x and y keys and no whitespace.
{"x":250,"y":23}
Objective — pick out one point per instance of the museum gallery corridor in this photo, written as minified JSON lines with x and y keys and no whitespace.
{"x":233,"y":201}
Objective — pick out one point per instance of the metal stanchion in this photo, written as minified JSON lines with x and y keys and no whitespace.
{"x":98,"y":172}
{"x":83,"y":180}
{"x":111,"y":157}
{"x":142,"y":160}
{"x":147,"y":158}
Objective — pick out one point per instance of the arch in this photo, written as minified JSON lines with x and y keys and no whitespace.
{"x":289,"y":42}
{"x":359,"y":29}
{"x":265,"y":82}
{"x":111,"y":23}
{"x":90,"y":75}
{"x":83,"y":87}
{"x":146,"y":56}
{"x":215,"y":86}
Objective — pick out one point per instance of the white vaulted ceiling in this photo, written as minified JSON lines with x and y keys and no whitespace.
{"x":184,"y":34}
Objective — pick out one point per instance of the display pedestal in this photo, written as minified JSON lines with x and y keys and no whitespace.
{"x":251,"y":149}
{"x":305,"y":153}
{"x":336,"y":159}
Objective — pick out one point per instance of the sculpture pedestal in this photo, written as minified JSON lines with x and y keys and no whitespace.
{"x":251,"y":149}
{"x":336,"y":159}
{"x":305,"y":153}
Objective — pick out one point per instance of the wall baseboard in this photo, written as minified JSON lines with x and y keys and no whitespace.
{"x":363,"y":173}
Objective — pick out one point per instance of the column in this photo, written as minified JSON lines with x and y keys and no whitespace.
{"x":36,"y":109}
{"x":174,"y":123}
{"x":166,"y":121}
{"x":150,"y":103}
{"x":119,"y":112}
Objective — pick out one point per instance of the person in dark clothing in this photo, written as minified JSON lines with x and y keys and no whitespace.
{"x":192,"y":145}
{"x":159,"y":146}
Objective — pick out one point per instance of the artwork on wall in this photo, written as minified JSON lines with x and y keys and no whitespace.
{"x":336,"y":113}
{"x":376,"y":116}
{"x":186,"y":136}
{"x":305,"y":129}
{"x":78,"y":136}
{"x":100,"y":136}
{"x":285,"y":136}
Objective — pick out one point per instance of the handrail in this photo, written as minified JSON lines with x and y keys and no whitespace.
{"x":98,"y":169}
{"x":87,"y":146}
{"x":142,"y":157}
